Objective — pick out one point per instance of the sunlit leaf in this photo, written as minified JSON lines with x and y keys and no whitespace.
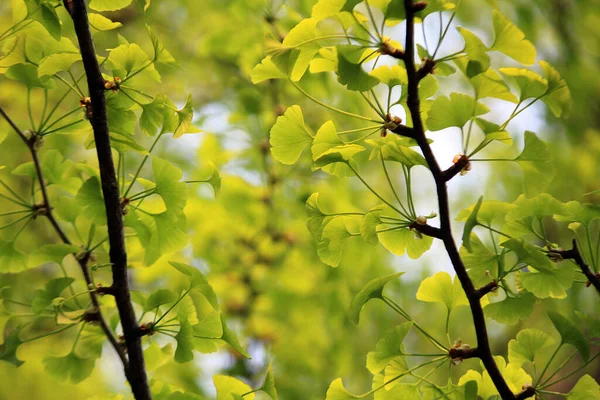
{"x":570,"y":334}
{"x":510,"y":40}
{"x":372,"y":290}
{"x":455,"y":110}
{"x":289,"y":136}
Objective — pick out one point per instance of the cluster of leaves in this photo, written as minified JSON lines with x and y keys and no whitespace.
{"x":346,"y":39}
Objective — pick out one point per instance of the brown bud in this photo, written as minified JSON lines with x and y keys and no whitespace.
{"x":419,"y":6}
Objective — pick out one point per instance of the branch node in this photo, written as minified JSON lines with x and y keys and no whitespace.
{"x":426,"y":229}
{"x":113,"y":85}
{"x":527,"y":392}
{"x":387,"y":48}
{"x":461,"y":165}
{"x":92,"y":315}
{"x":488,"y":288}
{"x":426,"y":68}
{"x":102,"y":290}
{"x":419,"y":6}
{"x":459,"y":352}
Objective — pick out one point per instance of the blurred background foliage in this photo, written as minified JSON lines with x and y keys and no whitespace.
{"x":252,"y":240}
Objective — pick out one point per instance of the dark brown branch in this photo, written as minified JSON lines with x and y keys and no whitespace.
{"x":413,"y":102}
{"x":404,"y":130}
{"x":526,"y":393}
{"x":427,"y":230}
{"x":482,"y":291}
{"x":83,"y":262}
{"x":575,"y":255}
{"x":456,"y":168}
{"x":136,"y":373}
{"x":460,"y":353}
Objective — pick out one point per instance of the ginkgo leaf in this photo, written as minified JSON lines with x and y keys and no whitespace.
{"x":528,"y":343}
{"x":266,"y":70}
{"x":12,"y":260}
{"x":231,"y":339}
{"x":372,"y":290}
{"x":57,"y":63}
{"x":161,"y":54}
{"x":268,"y":385}
{"x":350,"y":71}
{"x":403,"y":240}
{"x":8,"y":349}
{"x":540,"y":206}
{"x":536,"y":162}
{"x":70,"y":368}
{"x":327,"y":8}
{"x":470,"y":224}
{"x":332,"y":242}
{"x":479,"y":61}
{"x":574,"y":211}
{"x":455,"y":110}
{"x":198,"y":282}
{"x":185,"y":343}
{"x":387,"y":348}
{"x":515,"y":377}
{"x":326,"y":139}
{"x":558,"y":96}
{"x":394,"y":151}
{"x":159,"y":298}
{"x":511,"y":310}
{"x":530,"y":84}
{"x":128,"y":59}
{"x":586,"y":389}
{"x":547,"y":283}
{"x":101,"y":23}
{"x":289,"y":136}
{"x":391,"y":76}
{"x":90,"y":198}
{"x":570,"y":334}
{"x":337,"y":391}
{"x":109,"y":5}
{"x":493,"y":131}
{"x":184,"y":119}
{"x":168,"y":185}
{"x":439,"y":288}
{"x":510,"y":40}
{"x":53,"y":288}
{"x":338,"y":154}
{"x":481,"y":262}
{"x":489,"y":211}
{"x":227,"y":385}
{"x":369,"y":223}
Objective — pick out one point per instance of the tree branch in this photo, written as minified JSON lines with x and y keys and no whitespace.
{"x":575,"y":255}
{"x":83,"y":262}
{"x":136,"y":373}
{"x":413,"y":102}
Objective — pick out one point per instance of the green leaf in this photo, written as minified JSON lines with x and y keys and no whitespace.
{"x":231,"y":339}
{"x":515,"y":377}
{"x":128,"y":59}
{"x":387,"y":348}
{"x":109,"y":5}
{"x":156,"y":114}
{"x":90,"y":198}
{"x":574,"y":211}
{"x":489,"y":211}
{"x":70,"y":368}
{"x":530,"y":84}
{"x":266,"y":70}
{"x":46,"y":15}
{"x":455,"y":110}
{"x":168,"y":186}
{"x":161,"y":54}
{"x":545,"y":283}
{"x":101,"y":23}
{"x":268,"y":385}
{"x":227,"y":386}
{"x":479,"y":61}
{"x":558,"y":96}
{"x":527,"y":345}
{"x":492,"y":131}
{"x":536,"y":162}
{"x":369,"y":223}
{"x":333,"y":238}
{"x":338,"y":154}
{"x":301,"y":41}
{"x":392,"y":76}
{"x":326,"y":139}
{"x":185,"y":343}
{"x":289,"y":136}
{"x":439,"y":288}
{"x":198,"y":282}
{"x":586,"y":389}
{"x":184,"y":120}
{"x":156,"y":356}
{"x":481,"y":262}
{"x":8,"y":349}
{"x":402,"y":240}
{"x":350,"y":71}
{"x":372,"y":290}
{"x":12,"y":260}
{"x":470,"y":224}
{"x":337,"y":391}
{"x":511,"y":310}
{"x":510,"y":40}
{"x":570,"y":334}
{"x":43,"y":298}
{"x":55,"y":63}
{"x":529,"y":254}
{"x":159,"y":298}
{"x":394,"y":151}
{"x":540,"y":206}
{"x":28,"y":75}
